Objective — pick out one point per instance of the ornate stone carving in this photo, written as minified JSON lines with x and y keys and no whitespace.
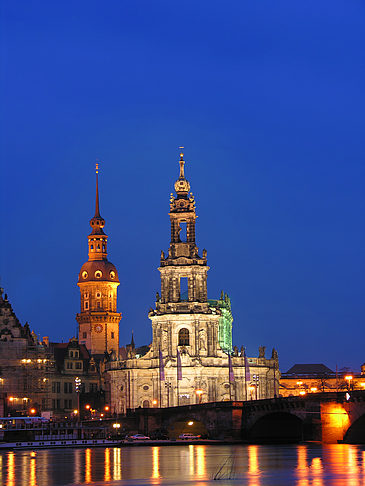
{"x":202,"y":340}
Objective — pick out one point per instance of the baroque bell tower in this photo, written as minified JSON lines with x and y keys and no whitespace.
{"x":183,"y":318}
{"x":98,"y":318}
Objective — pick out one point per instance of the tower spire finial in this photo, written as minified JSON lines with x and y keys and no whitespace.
{"x":97,"y":213}
{"x":182,"y":162}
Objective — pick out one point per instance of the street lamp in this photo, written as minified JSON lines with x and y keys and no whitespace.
{"x":78,"y":389}
{"x":168,"y":387}
{"x":349,"y":379}
{"x":256,"y":380}
{"x":154,"y":403}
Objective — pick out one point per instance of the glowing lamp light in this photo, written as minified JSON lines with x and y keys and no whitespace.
{"x":87,"y":407}
{"x":191,"y":422}
{"x":302,"y":392}
{"x":299,"y":383}
{"x":314,"y":389}
{"x":348,"y":377}
{"x":154,"y":402}
{"x":32,"y":411}
{"x":101,"y":415}
{"x":76,"y":412}
{"x":107,"y":408}
{"x":11,"y":399}
{"x":199,"y":392}
{"x":251,"y":388}
{"x":116,"y":426}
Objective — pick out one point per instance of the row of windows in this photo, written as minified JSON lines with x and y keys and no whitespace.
{"x":98,"y":305}
{"x":97,"y":247}
{"x":97,"y":295}
{"x":84,"y":335}
{"x":70,"y":365}
{"x":56,"y":403}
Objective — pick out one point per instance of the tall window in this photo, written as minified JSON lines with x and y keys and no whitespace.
{"x":184,"y":290}
{"x":184,"y":337}
{"x":182,"y":233}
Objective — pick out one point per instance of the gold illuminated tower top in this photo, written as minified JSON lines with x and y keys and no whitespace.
{"x":98,"y":282}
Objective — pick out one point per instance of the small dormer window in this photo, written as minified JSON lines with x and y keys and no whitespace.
{"x":71,"y":354}
{"x":86,"y":295}
{"x":86,"y":305}
{"x":98,"y":295}
{"x":76,"y":354}
{"x":98,"y":274}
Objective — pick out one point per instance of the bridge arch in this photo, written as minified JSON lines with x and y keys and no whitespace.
{"x":356,"y":432}
{"x":277,"y":427}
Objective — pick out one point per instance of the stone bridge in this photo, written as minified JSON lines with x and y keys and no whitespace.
{"x":326,"y":417}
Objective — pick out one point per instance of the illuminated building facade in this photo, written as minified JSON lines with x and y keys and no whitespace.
{"x":98,"y":318}
{"x":184,"y":321}
{"x":25,"y":364}
{"x":302,"y":379}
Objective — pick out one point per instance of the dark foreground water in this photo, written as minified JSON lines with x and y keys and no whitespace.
{"x":251,"y":465}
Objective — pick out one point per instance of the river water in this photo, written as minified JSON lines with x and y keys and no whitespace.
{"x":251,"y":465}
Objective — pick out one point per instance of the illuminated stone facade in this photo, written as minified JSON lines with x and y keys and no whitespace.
{"x":185,"y":320}
{"x":25,"y":365}
{"x":98,"y":281}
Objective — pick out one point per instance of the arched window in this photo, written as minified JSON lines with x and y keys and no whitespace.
{"x":184,"y":337}
{"x":146,"y":404}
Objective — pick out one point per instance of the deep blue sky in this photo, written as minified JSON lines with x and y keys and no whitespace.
{"x":268,"y":99}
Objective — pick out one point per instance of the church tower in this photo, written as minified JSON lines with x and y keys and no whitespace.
{"x":98,"y":281}
{"x":183,"y":318}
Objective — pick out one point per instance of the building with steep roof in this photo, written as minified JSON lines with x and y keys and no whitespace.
{"x":98,"y":281}
{"x":191,"y":358}
{"x":25,"y":364}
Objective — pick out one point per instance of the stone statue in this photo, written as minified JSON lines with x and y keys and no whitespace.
{"x":162,"y":255}
{"x":242,"y":351}
{"x":205,"y":253}
{"x":157,"y":297}
{"x":274,"y":354}
{"x":202,"y":340}
{"x":235,"y":351}
{"x":262,"y":351}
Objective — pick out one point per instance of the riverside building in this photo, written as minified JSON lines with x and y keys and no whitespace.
{"x":191,"y":358}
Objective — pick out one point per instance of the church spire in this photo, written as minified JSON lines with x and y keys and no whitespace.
{"x":97,"y":238}
{"x":97,"y":222}
{"x":97,"y":213}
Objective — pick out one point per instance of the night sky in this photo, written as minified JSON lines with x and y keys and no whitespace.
{"x":268,"y":100}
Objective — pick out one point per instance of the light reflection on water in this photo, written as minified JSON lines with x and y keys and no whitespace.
{"x":254,"y":465}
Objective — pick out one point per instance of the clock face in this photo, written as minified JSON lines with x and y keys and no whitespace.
{"x":98,"y":328}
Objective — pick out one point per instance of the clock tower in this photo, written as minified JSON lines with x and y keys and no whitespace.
{"x":98,"y":281}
